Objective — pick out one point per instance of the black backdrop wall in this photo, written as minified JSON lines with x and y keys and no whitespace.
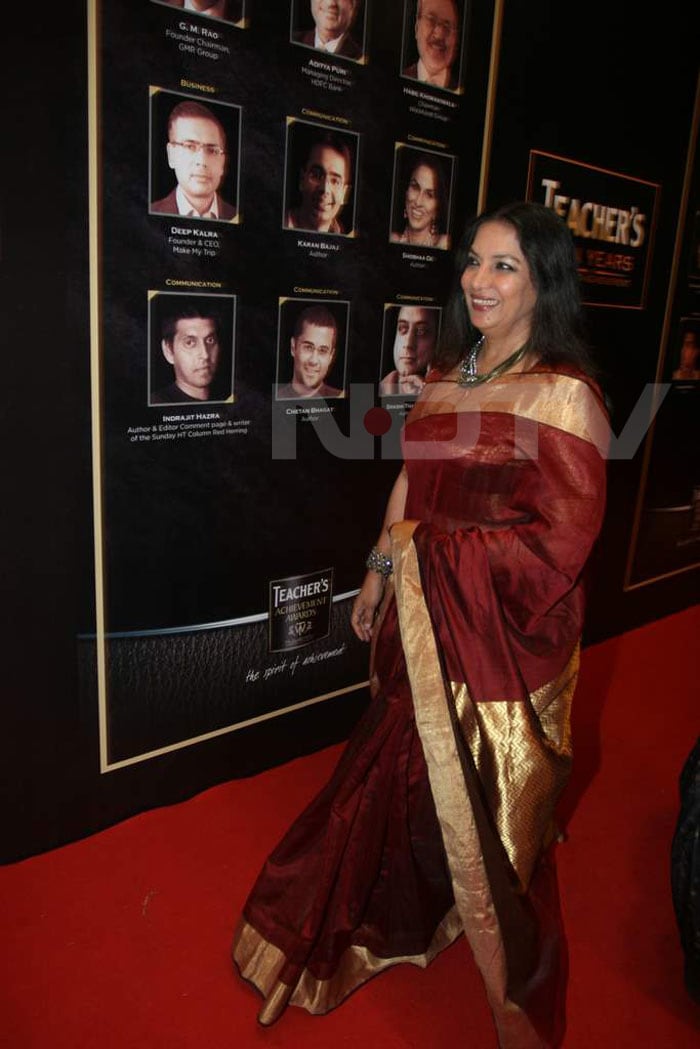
{"x":587,"y":84}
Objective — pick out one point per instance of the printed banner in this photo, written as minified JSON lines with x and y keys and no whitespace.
{"x":612,"y":218}
{"x":278,"y":191}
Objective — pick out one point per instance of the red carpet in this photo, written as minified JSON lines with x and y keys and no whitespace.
{"x":122,"y":940}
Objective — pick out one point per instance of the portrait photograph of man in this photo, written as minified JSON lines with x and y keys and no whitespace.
{"x":334,"y":26}
{"x":191,"y":348}
{"x":432,"y":49}
{"x":410,"y":337}
{"x":319,"y":191}
{"x":194,"y":157}
{"x":226,"y":10}
{"x":311,"y":351}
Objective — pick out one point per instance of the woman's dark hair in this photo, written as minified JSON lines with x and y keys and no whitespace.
{"x":424,"y":160}
{"x":557,"y":334}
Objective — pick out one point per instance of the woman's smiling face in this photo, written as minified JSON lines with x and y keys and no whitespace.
{"x":497,"y":284}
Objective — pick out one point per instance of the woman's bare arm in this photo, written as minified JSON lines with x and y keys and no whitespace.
{"x":366,"y":603}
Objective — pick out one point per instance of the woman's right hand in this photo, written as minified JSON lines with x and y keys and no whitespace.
{"x":365,"y":605}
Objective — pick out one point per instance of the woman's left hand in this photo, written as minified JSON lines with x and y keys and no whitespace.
{"x":365,"y":605}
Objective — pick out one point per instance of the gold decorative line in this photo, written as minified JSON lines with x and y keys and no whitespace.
{"x":594,"y":167}
{"x":95,"y":255}
{"x":490,"y":108}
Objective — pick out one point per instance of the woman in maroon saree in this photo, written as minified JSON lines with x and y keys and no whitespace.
{"x":439,"y":817}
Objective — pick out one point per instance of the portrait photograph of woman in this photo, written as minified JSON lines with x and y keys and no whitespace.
{"x":421,"y":198}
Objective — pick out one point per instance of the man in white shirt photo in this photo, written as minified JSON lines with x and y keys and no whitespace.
{"x":333,"y":20}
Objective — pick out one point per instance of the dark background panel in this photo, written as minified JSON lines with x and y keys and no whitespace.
{"x":562,"y":91}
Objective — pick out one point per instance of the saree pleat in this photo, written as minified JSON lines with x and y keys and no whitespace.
{"x":515,"y":936}
{"x":360,"y":881}
{"x":439,"y":818}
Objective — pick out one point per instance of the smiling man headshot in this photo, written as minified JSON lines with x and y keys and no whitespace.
{"x":324,"y":184}
{"x":197,"y":153}
{"x":437,"y":40}
{"x":333,"y":20}
{"x":313,"y":347}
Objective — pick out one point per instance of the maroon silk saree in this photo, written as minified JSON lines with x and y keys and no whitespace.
{"x":439,"y":817}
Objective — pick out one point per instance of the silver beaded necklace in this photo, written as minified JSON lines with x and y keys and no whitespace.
{"x":468,"y":375}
